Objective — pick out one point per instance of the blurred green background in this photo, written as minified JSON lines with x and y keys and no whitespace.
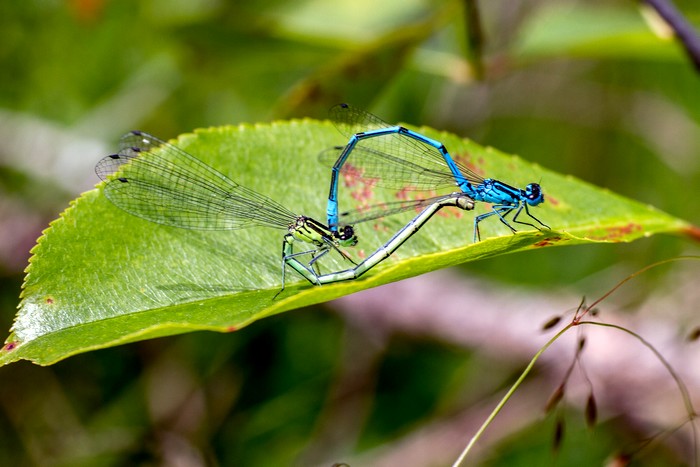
{"x":399,"y":375}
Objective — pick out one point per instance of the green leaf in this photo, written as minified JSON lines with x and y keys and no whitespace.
{"x":101,"y":277}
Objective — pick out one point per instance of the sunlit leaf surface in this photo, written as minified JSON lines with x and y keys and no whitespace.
{"x":101,"y":277}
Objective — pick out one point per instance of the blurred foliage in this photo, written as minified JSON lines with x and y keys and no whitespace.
{"x":579,"y":87}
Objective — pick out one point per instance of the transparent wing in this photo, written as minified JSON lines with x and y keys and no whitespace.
{"x":394,"y":160}
{"x":159,"y":182}
{"x":387,"y":169}
{"x":378,"y":211}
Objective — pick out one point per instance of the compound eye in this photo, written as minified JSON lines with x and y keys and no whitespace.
{"x":533,"y":191}
{"x":347,"y":232}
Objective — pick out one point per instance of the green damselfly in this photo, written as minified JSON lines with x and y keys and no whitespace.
{"x":164,"y":184}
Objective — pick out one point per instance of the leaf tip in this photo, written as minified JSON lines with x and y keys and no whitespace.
{"x":693,"y":232}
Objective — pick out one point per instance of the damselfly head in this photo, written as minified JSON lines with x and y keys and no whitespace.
{"x":533,"y":194}
{"x":346,"y":235}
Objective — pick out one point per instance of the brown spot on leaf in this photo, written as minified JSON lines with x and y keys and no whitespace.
{"x":618,"y":233}
{"x":549,"y":241}
{"x":466,"y":160}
